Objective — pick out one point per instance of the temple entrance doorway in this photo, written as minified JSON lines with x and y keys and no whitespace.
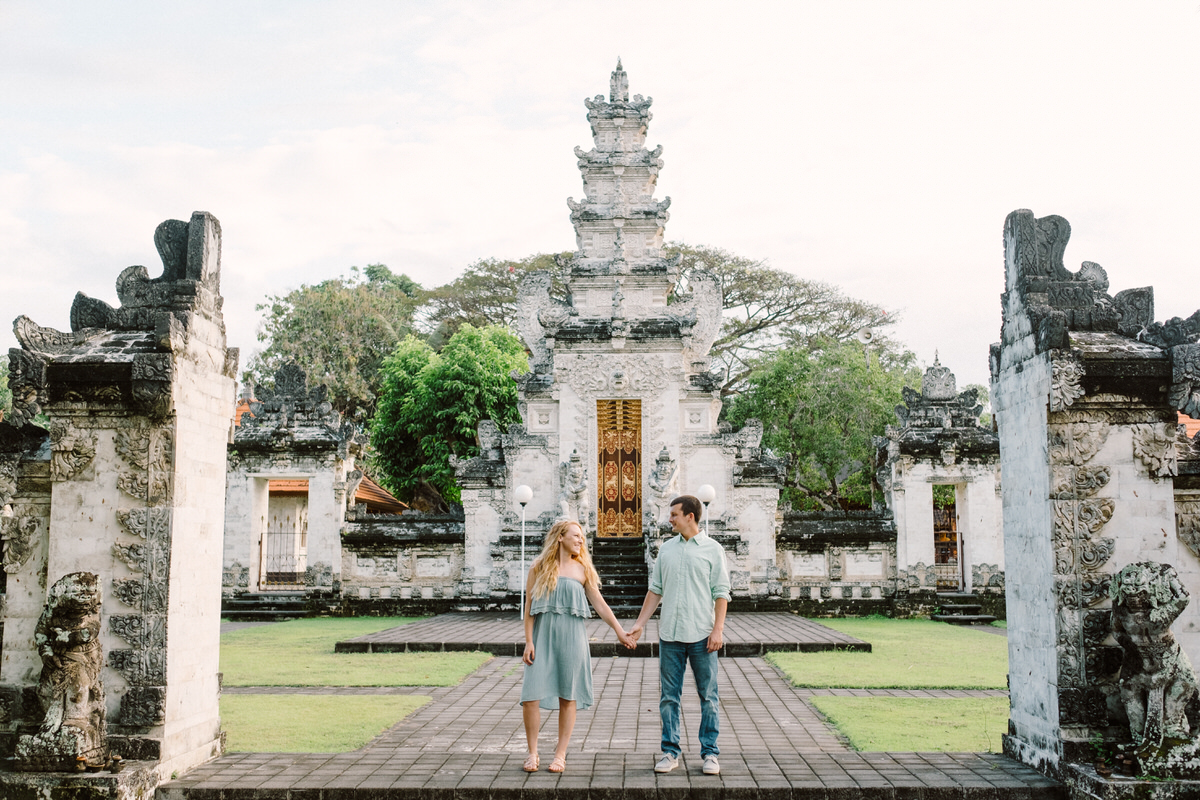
{"x":619,"y":495}
{"x":283,"y":544}
{"x":947,"y":545}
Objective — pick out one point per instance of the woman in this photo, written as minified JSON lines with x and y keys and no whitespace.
{"x":558,"y":664}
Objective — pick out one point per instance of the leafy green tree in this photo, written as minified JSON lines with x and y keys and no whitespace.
{"x":339,"y":331}
{"x":822,"y":406}
{"x":768,"y":309}
{"x":433,"y":401}
{"x":485,"y":294}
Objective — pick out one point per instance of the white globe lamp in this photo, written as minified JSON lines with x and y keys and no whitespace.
{"x":706,"y":494}
{"x":522,"y":494}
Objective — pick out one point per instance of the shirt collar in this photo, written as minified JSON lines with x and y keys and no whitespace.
{"x":699,"y":538}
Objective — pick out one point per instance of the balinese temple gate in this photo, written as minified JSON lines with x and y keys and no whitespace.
{"x":619,"y":406}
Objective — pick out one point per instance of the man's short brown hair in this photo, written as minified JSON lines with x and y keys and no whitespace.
{"x":689,"y":505}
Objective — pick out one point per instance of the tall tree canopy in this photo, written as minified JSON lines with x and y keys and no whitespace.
{"x":485,"y":294}
{"x":823,"y":405}
{"x":433,"y":401}
{"x":339,"y":331}
{"x":768,"y":309}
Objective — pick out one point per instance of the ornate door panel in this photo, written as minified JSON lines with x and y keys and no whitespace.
{"x":619,"y":501}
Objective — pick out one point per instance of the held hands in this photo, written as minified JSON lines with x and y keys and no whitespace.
{"x":628,"y":640}
{"x":527,"y":657}
{"x":636,"y":632}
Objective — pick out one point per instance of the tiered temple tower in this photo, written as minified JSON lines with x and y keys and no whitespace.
{"x":619,"y":406}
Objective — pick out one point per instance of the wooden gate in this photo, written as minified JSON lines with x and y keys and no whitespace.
{"x":619,"y":501}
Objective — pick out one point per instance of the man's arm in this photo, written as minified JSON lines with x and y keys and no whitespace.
{"x":648,"y":605}
{"x":717,"y":638}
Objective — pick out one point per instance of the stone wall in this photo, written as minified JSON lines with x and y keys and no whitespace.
{"x":128,"y":484}
{"x":1086,"y":389}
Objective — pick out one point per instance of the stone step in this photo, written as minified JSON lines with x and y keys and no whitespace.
{"x":964,"y":619}
{"x":968,"y":609}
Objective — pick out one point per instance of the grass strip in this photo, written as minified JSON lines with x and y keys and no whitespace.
{"x":909,"y":725}
{"x":906,"y":654}
{"x":300,"y":653}
{"x":296,"y":723}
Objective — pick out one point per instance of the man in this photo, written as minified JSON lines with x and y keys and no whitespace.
{"x":691,"y":580}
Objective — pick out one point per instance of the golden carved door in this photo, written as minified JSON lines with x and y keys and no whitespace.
{"x":619,"y":501}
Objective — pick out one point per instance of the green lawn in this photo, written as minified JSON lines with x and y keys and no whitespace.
{"x":906,"y":725}
{"x":293,"y":723}
{"x":300,"y":653}
{"x":906,"y":654}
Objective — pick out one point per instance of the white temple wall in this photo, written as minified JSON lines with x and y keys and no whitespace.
{"x":913,"y":508}
{"x":191,"y":733}
{"x":24,"y":594}
{"x":326,"y":512}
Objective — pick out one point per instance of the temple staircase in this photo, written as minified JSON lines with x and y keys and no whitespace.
{"x":956,"y":608}
{"x":621,"y":562}
{"x":265,"y":606}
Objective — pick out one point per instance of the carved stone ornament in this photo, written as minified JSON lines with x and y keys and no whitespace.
{"x":1157,"y":680}
{"x":20,"y":539}
{"x":1076,"y":442}
{"x":573,"y":498}
{"x":146,"y":523}
{"x":1066,"y":376}
{"x":9,"y":464}
{"x":142,"y":631}
{"x":140,"y":667}
{"x":70,"y":450}
{"x":1154,"y":446}
{"x":132,"y":555}
{"x":1185,"y":379}
{"x":1187,"y":524}
{"x":626,"y":376}
{"x":1079,"y":482}
{"x":143,"y":706}
{"x":69,"y":690}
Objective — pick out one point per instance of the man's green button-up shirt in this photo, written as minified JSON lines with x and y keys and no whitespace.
{"x":690,"y":575}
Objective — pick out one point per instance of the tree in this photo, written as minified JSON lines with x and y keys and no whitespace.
{"x":485,"y":294}
{"x":822,"y":406}
{"x":768,"y":309}
{"x":339,"y":331}
{"x":433,"y":401}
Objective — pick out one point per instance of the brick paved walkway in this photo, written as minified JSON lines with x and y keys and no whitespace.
{"x":469,"y":743}
{"x":503,"y":635}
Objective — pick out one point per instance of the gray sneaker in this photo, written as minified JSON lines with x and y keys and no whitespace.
{"x":711,"y":767}
{"x":667,"y":763}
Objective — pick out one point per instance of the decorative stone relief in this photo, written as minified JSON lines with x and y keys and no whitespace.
{"x":132,"y":555}
{"x":1066,"y":375}
{"x":141,"y":631}
{"x":1154,"y":446}
{"x":1157,"y":680}
{"x":591,"y":375}
{"x":27,"y":382}
{"x":140,"y":667}
{"x":146,"y":523}
{"x":1076,"y":442}
{"x":1187,"y":524}
{"x":1185,"y":379}
{"x":70,"y":450}
{"x":69,"y":690}
{"x":9,"y":463}
{"x":20,"y":536}
{"x":143,"y":706}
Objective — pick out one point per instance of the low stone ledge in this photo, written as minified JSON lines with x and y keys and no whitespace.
{"x":136,"y":781}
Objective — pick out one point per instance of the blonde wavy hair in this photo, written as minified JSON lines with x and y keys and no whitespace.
{"x":543,"y":575}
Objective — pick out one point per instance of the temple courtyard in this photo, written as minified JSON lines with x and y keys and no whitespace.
{"x":469,"y":741}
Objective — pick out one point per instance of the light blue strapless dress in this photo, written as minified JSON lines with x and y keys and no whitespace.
{"x":562,"y":663}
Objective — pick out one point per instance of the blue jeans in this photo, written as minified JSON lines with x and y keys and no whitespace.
{"x":672,"y":657}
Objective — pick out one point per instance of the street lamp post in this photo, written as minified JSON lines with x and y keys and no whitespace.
{"x":523,"y":494}
{"x":706,"y":494}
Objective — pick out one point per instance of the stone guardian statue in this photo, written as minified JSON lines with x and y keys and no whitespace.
{"x":69,"y":690}
{"x":573,"y":499}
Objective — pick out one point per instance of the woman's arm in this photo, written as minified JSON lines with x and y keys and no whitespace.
{"x":527,"y":657}
{"x":606,"y":614}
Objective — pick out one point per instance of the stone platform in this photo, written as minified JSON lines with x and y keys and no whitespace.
{"x":503,"y":635}
{"x":468,"y":742}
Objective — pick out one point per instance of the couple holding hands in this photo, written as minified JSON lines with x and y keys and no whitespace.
{"x":690,"y":579}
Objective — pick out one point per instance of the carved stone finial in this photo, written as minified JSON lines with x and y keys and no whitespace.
{"x":618,"y":85}
{"x":938,"y":383}
{"x":69,"y":691}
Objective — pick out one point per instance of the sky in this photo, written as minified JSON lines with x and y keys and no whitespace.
{"x":874,"y":146}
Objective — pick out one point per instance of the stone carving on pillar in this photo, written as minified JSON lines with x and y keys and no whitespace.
{"x":1158,"y":685}
{"x":664,"y":479}
{"x":70,"y":450}
{"x":573,"y":499}
{"x":27,"y":382}
{"x":19,"y":533}
{"x":1154,"y":446}
{"x":1187,"y":524}
{"x":69,"y":690}
{"x":1066,"y":375}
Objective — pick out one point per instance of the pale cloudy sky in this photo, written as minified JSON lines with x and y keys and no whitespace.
{"x":877,"y":146}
